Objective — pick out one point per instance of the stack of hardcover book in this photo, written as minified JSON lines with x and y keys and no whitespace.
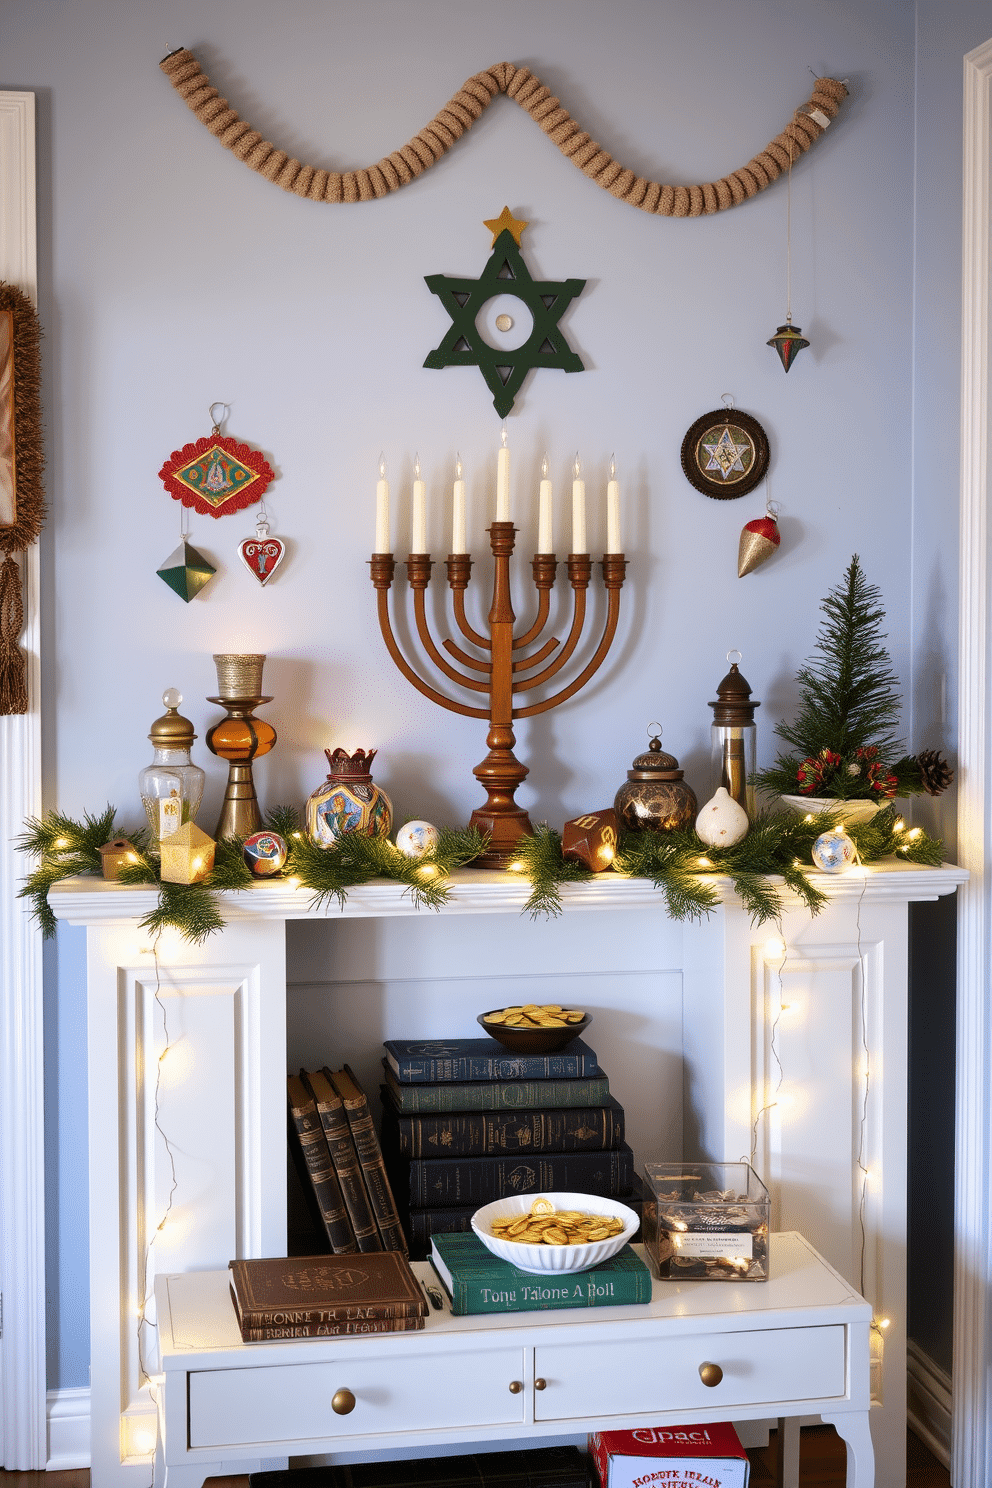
{"x":465,"y":1122}
{"x":478,"y":1282}
{"x":326,"y":1296}
{"x":334,"y":1140}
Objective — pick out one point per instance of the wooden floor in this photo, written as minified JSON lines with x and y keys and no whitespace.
{"x":822,"y":1457}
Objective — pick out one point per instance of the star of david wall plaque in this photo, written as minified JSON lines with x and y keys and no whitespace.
{"x":725,"y":454}
{"x":506,"y":323}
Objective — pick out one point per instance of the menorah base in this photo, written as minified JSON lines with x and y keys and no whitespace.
{"x":504,"y":829}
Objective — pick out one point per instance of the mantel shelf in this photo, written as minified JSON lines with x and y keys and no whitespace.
{"x":92,"y":901}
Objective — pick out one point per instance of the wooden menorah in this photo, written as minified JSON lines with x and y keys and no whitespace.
{"x":506,"y":670}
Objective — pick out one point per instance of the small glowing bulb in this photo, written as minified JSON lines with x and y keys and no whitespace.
{"x":416,"y":467}
{"x":577,"y":466}
{"x":130,"y":857}
{"x":899,"y":826}
{"x":502,"y":434}
{"x":517,"y":867}
{"x":704,"y":863}
{"x":775,"y":949}
{"x":796,"y":863}
{"x":808,"y":817}
{"x":427,"y":871}
{"x":62,"y":842}
{"x":294,"y":882}
{"x":544,"y":468}
{"x":914,"y":833}
{"x":458,"y":466}
{"x":298,"y":836}
{"x":613,"y":467}
{"x":606,"y":853}
{"x":884,"y":1322}
{"x":785,"y":1007}
{"x":197,"y":864}
{"x":382,"y":467}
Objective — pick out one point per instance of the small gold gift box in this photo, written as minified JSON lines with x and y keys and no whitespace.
{"x":187,"y":855}
{"x":114,"y":855}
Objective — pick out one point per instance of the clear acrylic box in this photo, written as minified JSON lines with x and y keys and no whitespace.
{"x":706,"y":1221}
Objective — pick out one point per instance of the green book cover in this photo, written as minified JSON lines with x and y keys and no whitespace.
{"x":479,"y":1282}
{"x":496,"y":1095}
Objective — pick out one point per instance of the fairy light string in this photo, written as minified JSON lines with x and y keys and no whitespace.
{"x":146,"y":1286}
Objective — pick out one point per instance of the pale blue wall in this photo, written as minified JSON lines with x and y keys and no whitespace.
{"x":171,"y":277}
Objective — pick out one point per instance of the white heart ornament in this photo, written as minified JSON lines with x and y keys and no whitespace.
{"x":262,"y":554}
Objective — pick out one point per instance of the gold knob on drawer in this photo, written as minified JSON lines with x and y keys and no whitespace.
{"x":710,"y":1374}
{"x":515,"y":1387}
{"x":540,"y":1384}
{"x":342,"y":1402}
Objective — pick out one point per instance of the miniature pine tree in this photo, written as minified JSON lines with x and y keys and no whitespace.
{"x":843,"y":740}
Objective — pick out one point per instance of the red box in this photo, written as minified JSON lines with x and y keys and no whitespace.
{"x":709,"y":1456}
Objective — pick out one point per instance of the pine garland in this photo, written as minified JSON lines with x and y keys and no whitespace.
{"x":683,"y":868}
{"x":677,"y":863}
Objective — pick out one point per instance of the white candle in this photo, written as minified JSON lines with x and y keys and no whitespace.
{"x":578,"y":510}
{"x":503,"y":479}
{"x":545,"y":543}
{"x":458,"y":510}
{"x":613,"y":544}
{"x":419,"y":516}
{"x":382,"y":511}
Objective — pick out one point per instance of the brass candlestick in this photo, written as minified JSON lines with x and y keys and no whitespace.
{"x":239,"y":738}
{"x":505,"y":672}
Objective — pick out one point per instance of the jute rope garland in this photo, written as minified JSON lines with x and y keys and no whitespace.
{"x":461,"y":112}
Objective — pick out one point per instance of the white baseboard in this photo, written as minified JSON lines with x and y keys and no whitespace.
{"x":68,"y":1429}
{"x":928,"y":1402}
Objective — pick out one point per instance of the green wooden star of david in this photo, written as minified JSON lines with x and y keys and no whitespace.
{"x":465,"y":345}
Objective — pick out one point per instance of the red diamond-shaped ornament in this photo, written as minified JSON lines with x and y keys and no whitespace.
{"x":216,"y":475}
{"x":262,"y":554}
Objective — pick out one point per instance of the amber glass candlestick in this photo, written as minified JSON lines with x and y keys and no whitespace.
{"x":240,"y":738}
{"x":503,"y":672}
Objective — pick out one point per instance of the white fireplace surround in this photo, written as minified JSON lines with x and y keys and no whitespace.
{"x":23,"y":1435}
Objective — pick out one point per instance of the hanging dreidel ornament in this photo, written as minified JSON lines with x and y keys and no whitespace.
{"x":759,"y":539}
{"x":734,"y":737}
{"x":789,"y":340}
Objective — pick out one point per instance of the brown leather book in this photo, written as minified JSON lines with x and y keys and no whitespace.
{"x":333,"y":1330}
{"x":309,"y":1133}
{"x":363,"y":1131}
{"x":341,"y":1145}
{"x":321,"y":1291}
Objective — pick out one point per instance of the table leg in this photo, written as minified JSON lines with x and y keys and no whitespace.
{"x":853,"y":1427}
{"x":787,"y":1462}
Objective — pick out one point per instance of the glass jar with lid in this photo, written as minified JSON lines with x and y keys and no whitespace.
{"x":171,"y":786}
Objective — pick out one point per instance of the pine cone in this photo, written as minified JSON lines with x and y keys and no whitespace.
{"x":935,"y":773}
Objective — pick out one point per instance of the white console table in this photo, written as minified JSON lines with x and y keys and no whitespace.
{"x":220,"y":1093}
{"x":795,"y":1344}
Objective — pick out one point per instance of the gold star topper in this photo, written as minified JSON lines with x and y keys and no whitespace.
{"x":505,"y":222}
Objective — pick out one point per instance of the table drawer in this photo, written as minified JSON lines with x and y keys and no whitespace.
{"x":292,"y":1403}
{"x":625,"y":1378}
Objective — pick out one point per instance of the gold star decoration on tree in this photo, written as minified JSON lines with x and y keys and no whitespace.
{"x":465,"y":345}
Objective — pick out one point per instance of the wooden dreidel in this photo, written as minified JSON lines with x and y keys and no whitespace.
{"x":591,"y":839}
{"x":187,"y":855}
{"x":113,"y":856}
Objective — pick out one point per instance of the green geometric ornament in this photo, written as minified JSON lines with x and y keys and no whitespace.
{"x":186,"y":571}
{"x":504,"y":368}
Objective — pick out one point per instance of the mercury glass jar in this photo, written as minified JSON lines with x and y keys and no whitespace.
{"x":171,"y":786}
{"x":656,"y":798}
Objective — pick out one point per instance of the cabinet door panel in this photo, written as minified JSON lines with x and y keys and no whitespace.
{"x":292,"y":1403}
{"x":625,"y":1378}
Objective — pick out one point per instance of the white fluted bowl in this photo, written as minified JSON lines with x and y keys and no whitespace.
{"x":557,"y":1260}
{"x":845,"y":811}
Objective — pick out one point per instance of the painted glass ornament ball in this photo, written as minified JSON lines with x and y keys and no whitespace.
{"x":265,"y":853}
{"x":415,"y":838}
{"x":834,"y":851}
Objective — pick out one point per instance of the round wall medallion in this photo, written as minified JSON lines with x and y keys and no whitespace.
{"x":725,"y":454}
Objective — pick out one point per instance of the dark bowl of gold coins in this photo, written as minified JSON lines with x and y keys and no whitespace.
{"x":533,"y":1028}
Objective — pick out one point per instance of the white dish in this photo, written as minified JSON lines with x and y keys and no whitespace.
{"x":559,"y":1260}
{"x":846,"y":811}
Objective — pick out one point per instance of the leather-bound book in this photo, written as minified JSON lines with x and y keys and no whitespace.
{"x":341,"y":1145}
{"x":370,"y":1156}
{"x":309,"y":1135}
{"x":317,"y":1296}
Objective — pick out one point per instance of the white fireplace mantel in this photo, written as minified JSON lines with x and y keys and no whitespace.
{"x":220,"y":1094}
